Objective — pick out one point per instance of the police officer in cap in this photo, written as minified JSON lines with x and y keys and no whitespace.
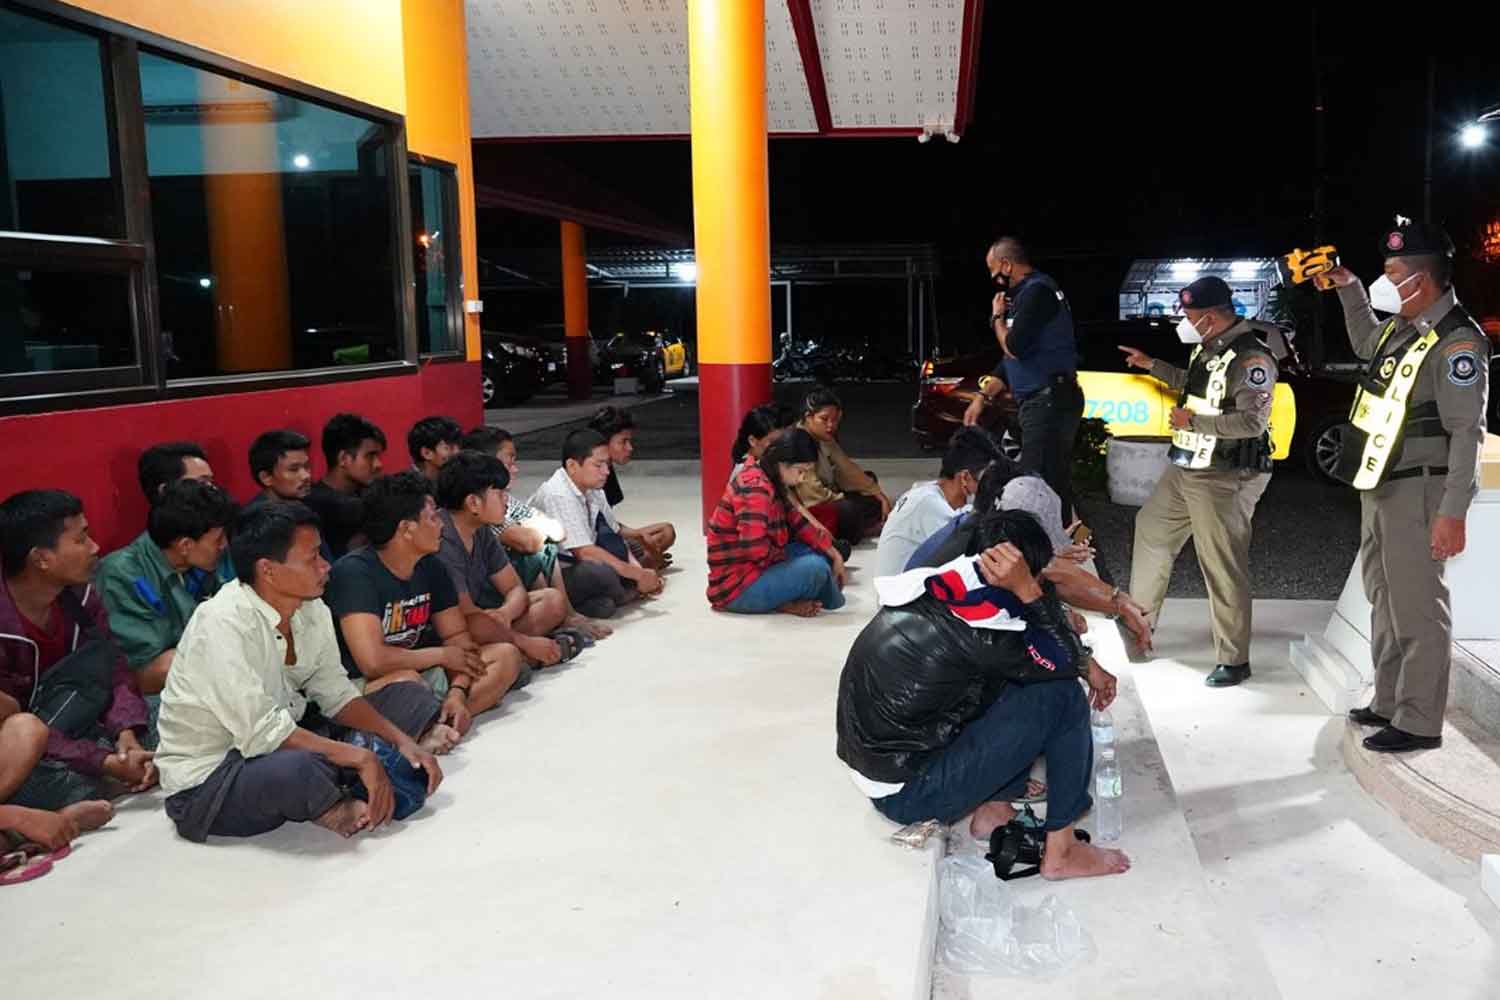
{"x":1031,"y":320}
{"x":1412,"y":448}
{"x":1220,"y":466}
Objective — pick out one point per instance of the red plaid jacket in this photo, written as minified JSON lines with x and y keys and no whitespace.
{"x":749,"y":532}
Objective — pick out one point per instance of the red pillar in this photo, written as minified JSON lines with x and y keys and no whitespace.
{"x":576,"y":312}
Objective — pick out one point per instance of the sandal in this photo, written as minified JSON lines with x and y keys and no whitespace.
{"x":579,"y":636}
{"x":567,"y":644}
{"x":16,"y":868}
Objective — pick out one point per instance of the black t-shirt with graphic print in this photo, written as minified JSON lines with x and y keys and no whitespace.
{"x":361,"y":584}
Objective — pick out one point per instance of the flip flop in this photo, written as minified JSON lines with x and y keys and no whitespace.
{"x":568,"y":645}
{"x":582,"y":638}
{"x":17,"y":867}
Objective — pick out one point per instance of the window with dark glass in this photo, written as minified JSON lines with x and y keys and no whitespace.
{"x":434,"y":224}
{"x":273,"y":220}
{"x":66,"y":271}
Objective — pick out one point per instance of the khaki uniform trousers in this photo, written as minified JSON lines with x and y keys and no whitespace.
{"x":1411,"y":619}
{"x":1214,"y":507}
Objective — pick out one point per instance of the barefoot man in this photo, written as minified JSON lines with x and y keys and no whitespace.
{"x":234,"y":759}
{"x":966,"y":675}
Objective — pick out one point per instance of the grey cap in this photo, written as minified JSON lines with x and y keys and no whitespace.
{"x":1035,"y":497}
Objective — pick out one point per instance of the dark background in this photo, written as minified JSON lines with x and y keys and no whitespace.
{"x":1100,"y":138}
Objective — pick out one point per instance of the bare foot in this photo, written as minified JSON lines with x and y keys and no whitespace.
{"x":1067,"y":858}
{"x":440,"y":739}
{"x":589,"y":627}
{"x":346,"y":818}
{"x":1035,"y":789}
{"x":990,"y":817}
{"x":89,"y":815}
{"x":802,"y":609}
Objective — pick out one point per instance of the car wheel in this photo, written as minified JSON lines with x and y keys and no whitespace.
{"x":487,"y":388}
{"x":1323,"y":448}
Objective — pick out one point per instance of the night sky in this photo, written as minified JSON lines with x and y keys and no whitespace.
{"x":1100,"y":138}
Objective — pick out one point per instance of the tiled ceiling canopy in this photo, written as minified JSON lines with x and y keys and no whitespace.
{"x":553,"y":69}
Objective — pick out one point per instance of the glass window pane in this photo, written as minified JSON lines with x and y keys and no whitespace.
{"x":57,"y":171}
{"x":272,"y":218}
{"x":55,"y":320}
{"x":433,"y":192}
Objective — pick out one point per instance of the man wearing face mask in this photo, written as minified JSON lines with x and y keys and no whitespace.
{"x":1221,"y":464}
{"x":1031,"y":320}
{"x":1412,"y":448}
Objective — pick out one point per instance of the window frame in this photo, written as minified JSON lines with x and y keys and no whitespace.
{"x":135,"y":254}
{"x":455,"y":272}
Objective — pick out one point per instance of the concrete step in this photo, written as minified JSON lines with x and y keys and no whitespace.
{"x":1475,"y":687}
{"x":1158,"y":930}
{"x":1332,"y":677}
{"x":1489,"y":877}
{"x":1450,"y":795}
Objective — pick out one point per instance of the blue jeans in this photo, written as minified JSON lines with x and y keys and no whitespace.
{"x":992,"y":757}
{"x":804,"y":575}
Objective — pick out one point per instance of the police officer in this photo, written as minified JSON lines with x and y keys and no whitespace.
{"x":1220,"y":466}
{"x":1039,"y":361}
{"x":1412,"y":448}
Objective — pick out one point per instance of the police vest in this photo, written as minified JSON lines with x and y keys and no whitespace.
{"x":1056,"y":349}
{"x":1207,"y":392}
{"x":1381,"y":420}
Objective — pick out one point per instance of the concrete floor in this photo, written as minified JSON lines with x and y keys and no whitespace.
{"x":666,"y":817}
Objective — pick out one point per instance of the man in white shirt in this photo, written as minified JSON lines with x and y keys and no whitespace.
{"x":233,"y":759}
{"x":574,"y":497}
{"x":927,"y":507}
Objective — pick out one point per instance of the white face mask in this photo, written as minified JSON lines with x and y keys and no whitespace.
{"x":1385,"y":295}
{"x":1187,"y":332}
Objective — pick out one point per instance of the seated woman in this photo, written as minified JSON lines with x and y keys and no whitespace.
{"x":1000,"y":489}
{"x":843,"y":497}
{"x":965,"y":676}
{"x":759,"y":430}
{"x":764,"y":553}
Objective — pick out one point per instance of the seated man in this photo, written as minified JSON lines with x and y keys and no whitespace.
{"x":398,"y":616}
{"x":496,"y":606}
{"x":575,"y":497}
{"x":958,"y":685}
{"x":235,"y":762}
{"x":927,"y":507}
{"x":281,"y":466}
{"x":152,"y":586}
{"x":23,"y":740}
{"x":431,"y":442}
{"x":57,"y":656}
{"x":1000,"y":489}
{"x":163,"y":464}
{"x":353,"y":448}
{"x":649,"y":544}
{"x":531,"y":538}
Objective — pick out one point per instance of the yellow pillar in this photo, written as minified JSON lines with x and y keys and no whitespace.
{"x":576,"y":311}
{"x":731,"y":223}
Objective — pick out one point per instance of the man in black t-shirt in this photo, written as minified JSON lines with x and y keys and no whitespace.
{"x":397,"y":610}
{"x":354,"y":448}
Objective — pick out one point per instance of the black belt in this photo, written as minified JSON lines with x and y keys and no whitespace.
{"x":1413,"y":473}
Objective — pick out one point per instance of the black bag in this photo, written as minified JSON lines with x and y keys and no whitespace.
{"x":72,"y":696}
{"x":1016,"y":843}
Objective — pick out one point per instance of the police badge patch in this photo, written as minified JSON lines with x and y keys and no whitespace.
{"x":1257,"y":375}
{"x":1387,"y":368}
{"x":1463,"y":368}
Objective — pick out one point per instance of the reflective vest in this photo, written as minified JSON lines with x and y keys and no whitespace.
{"x":1205,"y":392}
{"x":1380,"y":420}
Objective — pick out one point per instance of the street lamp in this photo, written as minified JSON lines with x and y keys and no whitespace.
{"x":1476,"y":133}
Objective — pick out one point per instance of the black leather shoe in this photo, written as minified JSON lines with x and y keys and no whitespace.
{"x":1393,"y":740}
{"x":1225,"y":676}
{"x":1367,"y":717}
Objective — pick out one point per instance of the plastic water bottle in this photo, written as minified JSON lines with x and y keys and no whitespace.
{"x":1108,"y":806}
{"x":1103,"y":725}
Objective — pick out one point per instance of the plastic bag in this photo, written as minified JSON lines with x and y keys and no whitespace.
{"x":985,"y":931}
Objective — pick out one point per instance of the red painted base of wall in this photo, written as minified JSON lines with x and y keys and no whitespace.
{"x":725,"y":394}
{"x":93,"y":453}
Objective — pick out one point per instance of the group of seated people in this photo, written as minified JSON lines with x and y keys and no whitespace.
{"x":970,"y":670}
{"x":304,"y":656}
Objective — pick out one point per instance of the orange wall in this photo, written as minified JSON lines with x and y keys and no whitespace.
{"x":351,"y":47}
{"x":437,"y":116}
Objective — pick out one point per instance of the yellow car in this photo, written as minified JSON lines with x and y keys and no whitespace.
{"x":1140,"y":406}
